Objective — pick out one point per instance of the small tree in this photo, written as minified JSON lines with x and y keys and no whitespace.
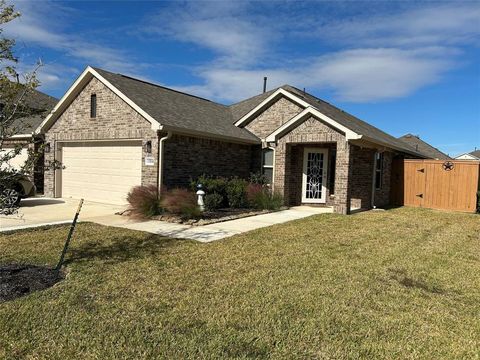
{"x":14,"y":108}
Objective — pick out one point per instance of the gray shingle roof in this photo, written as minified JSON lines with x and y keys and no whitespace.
{"x":41,"y":104}
{"x":173,"y":108}
{"x":475,"y":153}
{"x":342,"y":117}
{"x":191,"y":113}
{"x":424,"y":147}
{"x":243,"y":107}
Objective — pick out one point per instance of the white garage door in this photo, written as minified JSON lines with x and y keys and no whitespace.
{"x":101,"y":171}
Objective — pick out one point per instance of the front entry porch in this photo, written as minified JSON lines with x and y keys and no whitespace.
{"x":310,"y":174}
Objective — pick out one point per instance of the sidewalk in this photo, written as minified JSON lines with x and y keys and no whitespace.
{"x":212,"y":232}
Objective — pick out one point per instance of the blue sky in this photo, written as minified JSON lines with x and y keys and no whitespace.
{"x":402,"y":66}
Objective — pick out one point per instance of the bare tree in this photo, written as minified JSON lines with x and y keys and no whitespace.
{"x":15,"y":89}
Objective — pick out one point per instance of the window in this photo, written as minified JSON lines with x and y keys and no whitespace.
{"x":267,"y":165}
{"x":93,"y":106}
{"x":378,"y":170}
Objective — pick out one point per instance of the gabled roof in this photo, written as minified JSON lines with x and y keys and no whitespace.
{"x":164,"y":105}
{"x":40,"y":104}
{"x":164,"y":108}
{"x":423,"y":147}
{"x":469,"y":156}
{"x":475,"y":153}
{"x":359,"y":127}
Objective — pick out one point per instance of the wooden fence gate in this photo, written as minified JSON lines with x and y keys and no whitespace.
{"x":436,"y":184}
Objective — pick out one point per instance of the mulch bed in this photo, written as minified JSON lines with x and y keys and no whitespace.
{"x":18,"y":280}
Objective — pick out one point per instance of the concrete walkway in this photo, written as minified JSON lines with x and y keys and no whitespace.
{"x":38,"y":212}
{"x":212,"y":232}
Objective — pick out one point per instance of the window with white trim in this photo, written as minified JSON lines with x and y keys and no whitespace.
{"x":378,"y":170}
{"x":267,"y":165}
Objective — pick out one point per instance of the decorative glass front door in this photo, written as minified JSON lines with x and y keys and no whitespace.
{"x":314,"y":175}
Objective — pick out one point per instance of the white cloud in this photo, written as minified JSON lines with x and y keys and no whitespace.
{"x":371,"y":57}
{"x":365,"y":75}
{"x":377,"y":57}
{"x":42,"y":23}
{"x":437,"y":24}
{"x":361,"y":75}
{"x":225,"y":28}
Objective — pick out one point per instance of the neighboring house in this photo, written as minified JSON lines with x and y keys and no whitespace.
{"x":112,"y":132}
{"x":25,"y":128}
{"x":474,"y":155}
{"x":423,"y":147}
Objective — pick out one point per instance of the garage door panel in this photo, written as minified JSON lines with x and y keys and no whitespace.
{"x":103,"y":172}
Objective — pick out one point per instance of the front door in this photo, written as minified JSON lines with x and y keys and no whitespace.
{"x":315,"y":162}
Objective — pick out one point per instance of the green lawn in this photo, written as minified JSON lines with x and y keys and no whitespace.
{"x":404,"y":283}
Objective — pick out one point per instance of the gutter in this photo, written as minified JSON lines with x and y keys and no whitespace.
{"x":161,"y":140}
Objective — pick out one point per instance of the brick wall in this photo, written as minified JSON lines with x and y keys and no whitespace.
{"x":362,"y":178}
{"x":115,"y":120}
{"x":289,"y":161}
{"x":188,"y":158}
{"x":273,"y":117}
{"x":382,"y":196}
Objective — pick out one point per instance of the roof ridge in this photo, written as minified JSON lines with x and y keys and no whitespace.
{"x":252,"y":97}
{"x":161,"y":86}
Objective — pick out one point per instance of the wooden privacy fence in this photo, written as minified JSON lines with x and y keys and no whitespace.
{"x":436,"y":184}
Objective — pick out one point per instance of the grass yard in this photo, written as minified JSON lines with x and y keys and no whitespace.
{"x":400,"y":284}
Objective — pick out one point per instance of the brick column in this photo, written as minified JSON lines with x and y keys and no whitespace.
{"x":342,"y":178}
{"x":49,"y":173}
{"x":279,"y":168}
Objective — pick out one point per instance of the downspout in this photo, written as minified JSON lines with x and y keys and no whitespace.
{"x":161,"y":140}
{"x":373,"y":179}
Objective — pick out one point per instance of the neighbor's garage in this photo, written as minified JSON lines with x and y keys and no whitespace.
{"x":100,"y":171}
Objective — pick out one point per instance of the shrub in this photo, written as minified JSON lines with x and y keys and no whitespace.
{"x":236,"y":193}
{"x":253,"y":191}
{"x":260,"y":197}
{"x":181,"y":202}
{"x":213,"y":186}
{"x":258,"y":178}
{"x":144,"y":201}
{"x":213,"y":201}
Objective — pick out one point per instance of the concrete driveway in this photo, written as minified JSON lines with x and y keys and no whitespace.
{"x":39,"y":211}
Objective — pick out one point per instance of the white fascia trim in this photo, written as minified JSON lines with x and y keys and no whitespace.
{"x":151,"y":120}
{"x":20,"y":136}
{"x":80,"y":82}
{"x":468,"y":154}
{"x":349,"y":134}
{"x":265,"y":102}
{"x":64,"y":98}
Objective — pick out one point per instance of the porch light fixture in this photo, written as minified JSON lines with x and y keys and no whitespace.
{"x":148,"y":147}
{"x":47,"y":148}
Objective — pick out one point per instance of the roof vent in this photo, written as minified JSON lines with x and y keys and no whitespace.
{"x":264,"y":84}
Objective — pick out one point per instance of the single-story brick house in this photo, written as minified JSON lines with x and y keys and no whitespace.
{"x":112,"y":132}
